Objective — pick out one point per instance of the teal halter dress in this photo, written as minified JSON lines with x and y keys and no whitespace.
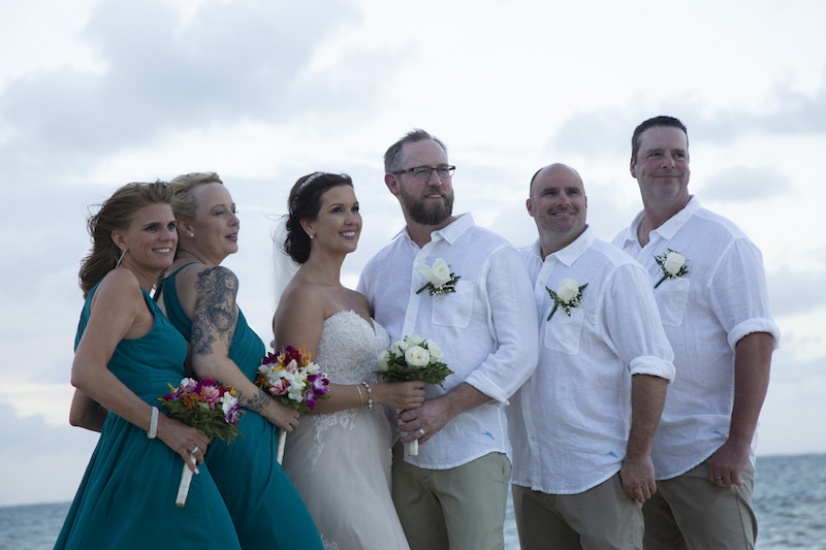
{"x":127,"y":496}
{"x":266,"y":509}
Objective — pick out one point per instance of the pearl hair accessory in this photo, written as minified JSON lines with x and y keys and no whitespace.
{"x":309,"y":180}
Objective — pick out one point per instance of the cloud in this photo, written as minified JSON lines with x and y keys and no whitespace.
{"x":231,"y":62}
{"x":743,"y":184}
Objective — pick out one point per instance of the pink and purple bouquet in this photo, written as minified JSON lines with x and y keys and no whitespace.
{"x":291,"y":377}
{"x":208,"y":406}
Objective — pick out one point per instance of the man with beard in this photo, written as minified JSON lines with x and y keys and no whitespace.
{"x":583,"y":424}
{"x":711,"y":291}
{"x":446,"y":279}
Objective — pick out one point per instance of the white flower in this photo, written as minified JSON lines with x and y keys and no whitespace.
{"x":414,"y":339}
{"x":417,"y":356}
{"x":674,"y":262}
{"x":567,"y":296}
{"x":311,"y":368}
{"x":438,"y":276}
{"x":434,"y":349}
{"x":399,"y":347}
{"x":673,"y":265}
{"x":567,"y":291}
{"x":439,"y":273}
{"x":228,"y":401}
{"x":384,"y":360}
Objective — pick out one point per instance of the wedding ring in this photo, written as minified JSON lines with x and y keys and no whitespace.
{"x":718,"y":478}
{"x":195,"y":450}
{"x":421,"y":431}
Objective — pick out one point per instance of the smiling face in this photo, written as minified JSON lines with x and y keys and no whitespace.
{"x":661,"y":168}
{"x":427,"y":202}
{"x":559,"y":206}
{"x":149,"y":241}
{"x":214,"y":226}
{"x":337,"y":226}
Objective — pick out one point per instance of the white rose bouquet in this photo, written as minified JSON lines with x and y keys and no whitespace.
{"x":439,"y":278}
{"x":567,"y":296}
{"x":413,"y":358}
{"x":673,"y":265}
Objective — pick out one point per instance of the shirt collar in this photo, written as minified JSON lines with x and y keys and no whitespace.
{"x":449,"y":233}
{"x":670,"y":227}
{"x":573,"y":251}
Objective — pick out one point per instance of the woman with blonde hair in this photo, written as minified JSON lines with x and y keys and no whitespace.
{"x":198,"y":295}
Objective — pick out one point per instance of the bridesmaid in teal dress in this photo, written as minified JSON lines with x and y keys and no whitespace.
{"x":126,"y":354}
{"x":198,"y":295}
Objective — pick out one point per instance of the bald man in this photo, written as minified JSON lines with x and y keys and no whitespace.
{"x":582,"y":426}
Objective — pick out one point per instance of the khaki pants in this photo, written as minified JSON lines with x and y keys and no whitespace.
{"x":460,"y":508}
{"x":603,"y":517}
{"x":689,"y":512}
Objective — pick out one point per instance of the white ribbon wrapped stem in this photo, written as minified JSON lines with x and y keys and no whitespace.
{"x":186,"y":480}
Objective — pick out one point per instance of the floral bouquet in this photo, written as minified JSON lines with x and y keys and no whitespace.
{"x":208,"y":406}
{"x":291,"y":377}
{"x":413,"y":358}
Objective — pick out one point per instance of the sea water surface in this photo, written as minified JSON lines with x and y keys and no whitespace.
{"x":789,"y":500}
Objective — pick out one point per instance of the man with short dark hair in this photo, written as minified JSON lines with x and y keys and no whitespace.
{"x":711,"y":291}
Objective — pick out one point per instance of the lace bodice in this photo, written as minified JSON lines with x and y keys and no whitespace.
{"x":349,"y":347}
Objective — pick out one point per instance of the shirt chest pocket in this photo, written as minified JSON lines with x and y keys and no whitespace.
{"x":455,"y":308}
{"x":562,"y":333}
{"x":672,"y":298}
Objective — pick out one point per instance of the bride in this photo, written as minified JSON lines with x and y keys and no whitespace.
{"x":339,"y":458}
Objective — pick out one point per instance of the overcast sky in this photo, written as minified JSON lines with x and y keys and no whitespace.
{"x":94,"y":94}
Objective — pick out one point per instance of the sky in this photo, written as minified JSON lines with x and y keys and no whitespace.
{"x":97,"y":93}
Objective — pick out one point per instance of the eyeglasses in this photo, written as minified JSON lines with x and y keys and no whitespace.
{"x":424,"y":172}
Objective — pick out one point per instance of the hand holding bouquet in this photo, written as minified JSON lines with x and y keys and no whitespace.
{"x":413,"y":358}
{"x":291,"y":377}
{"x":207,"y":406}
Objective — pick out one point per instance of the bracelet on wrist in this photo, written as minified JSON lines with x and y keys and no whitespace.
{"x":152,"y":433}
{"x":361,"y":395}
{"x":369,"y":395}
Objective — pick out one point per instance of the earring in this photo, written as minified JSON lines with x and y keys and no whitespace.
{"x":311,"y":235}
{"x":191,"y":235}
{"x":122,"y":254}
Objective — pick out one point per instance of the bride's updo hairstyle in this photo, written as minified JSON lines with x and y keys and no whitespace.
{"x":305,"y":203}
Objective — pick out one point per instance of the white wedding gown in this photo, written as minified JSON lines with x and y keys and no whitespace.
{"x":340,"y":462}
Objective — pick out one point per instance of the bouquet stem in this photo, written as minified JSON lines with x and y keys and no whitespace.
{"x":183,"y":487}
{"x":413,"y":448}
{"x":282,"y":441}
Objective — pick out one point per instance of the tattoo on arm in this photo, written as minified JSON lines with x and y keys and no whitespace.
{"x":256,"y":402}
{"x":216,"y":313}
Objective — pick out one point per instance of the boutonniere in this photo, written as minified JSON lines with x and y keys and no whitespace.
{"x":567,"y":296}
{"x":439,"y":278}
{"x":673,"y":265}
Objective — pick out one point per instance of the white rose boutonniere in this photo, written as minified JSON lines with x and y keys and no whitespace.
{"x":567,"y":296}
{"x":439,"y":278}
{"x":673,"y":265}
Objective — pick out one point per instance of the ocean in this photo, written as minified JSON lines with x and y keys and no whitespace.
{"x":789,"y":499}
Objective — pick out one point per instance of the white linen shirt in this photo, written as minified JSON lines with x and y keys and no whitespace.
{"x":705,"y":313}
{"x":486,"y":329}
{"x":570,"y":422}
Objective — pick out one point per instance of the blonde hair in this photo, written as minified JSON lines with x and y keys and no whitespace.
{"x":183,"y":201}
